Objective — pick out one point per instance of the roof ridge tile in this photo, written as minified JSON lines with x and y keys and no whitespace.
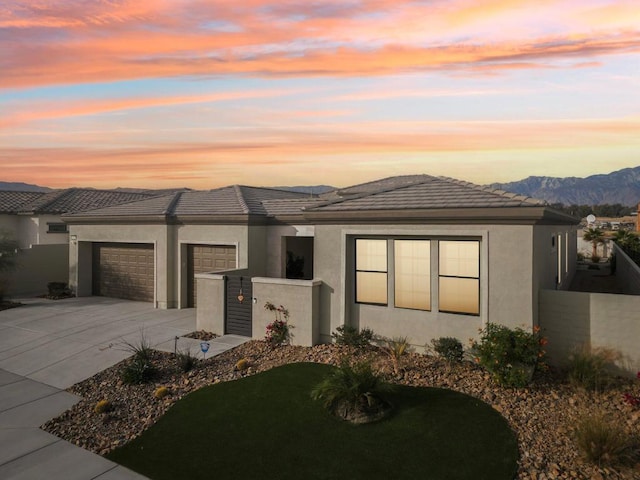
{"x":241,"y":200}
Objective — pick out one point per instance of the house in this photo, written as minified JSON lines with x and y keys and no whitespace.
{"x":416,"y":256}
{"x":33,"y":219}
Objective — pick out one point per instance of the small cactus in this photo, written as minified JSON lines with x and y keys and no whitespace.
{"x":103,"y":406}
{"x":161,"y":392}
{"x":242,"y":364}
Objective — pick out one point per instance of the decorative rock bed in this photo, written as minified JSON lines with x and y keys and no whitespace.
{"x":542,"y":415}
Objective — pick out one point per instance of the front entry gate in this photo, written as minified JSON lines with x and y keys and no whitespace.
{"x":238,"y":306}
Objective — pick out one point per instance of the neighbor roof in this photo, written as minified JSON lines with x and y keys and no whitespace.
{"x":226,"y":201}
{"x":13,"y":202}
{"x":73,"y":200}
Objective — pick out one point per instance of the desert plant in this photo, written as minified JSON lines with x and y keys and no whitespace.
{"x":186,"y":360}
{"x":351,"y":336}
{"x":161,"y":392}
{"x":242,"y":364}
{"x":140,"y":369}
{"x":278,"y":331}
{"x":57,"y":289}
{"x":352,"y":391}
{"x":396,"y":348}
{"x":448,"y":348}
{"x":595,"y":258}
{"x":602,"y":441}
{"x":587,"y":367}
{"x":511,"y":356}
{"x":103,"y":406}
{"x":596,"y":237}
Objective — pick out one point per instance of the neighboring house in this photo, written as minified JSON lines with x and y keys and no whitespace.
{"x":34,"y":221}
{"x":414,"y":256}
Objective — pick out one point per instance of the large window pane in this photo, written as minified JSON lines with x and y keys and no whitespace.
{"x":412,"y":274}
{"x":371,"y":271}
{"x":459,"y":259}
{"x":459,"y":295}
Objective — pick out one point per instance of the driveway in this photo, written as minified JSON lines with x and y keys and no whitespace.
{"x":47,"y":346}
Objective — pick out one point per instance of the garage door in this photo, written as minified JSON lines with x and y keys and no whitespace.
{"x":123,"y":270}
{"x":204,"y":259}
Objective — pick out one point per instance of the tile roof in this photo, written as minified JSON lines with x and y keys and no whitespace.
{"x":421,"y":192}
{"x":75,"y":200}
{"x":294,"y":206}
{"x":232,"y":200}
{"x":13,"y":202}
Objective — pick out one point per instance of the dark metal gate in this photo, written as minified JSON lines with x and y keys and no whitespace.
{"x":239,"y":306}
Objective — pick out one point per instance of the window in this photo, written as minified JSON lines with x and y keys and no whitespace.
{"x":459,"y":277}
{"x":57,"y":228}
{"x":412,"y":274}
{"x":371,"y":271}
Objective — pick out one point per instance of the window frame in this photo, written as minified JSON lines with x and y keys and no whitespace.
{"x":57,"y":224}
{"x":358,"y":270}
{"x":477,"y":278}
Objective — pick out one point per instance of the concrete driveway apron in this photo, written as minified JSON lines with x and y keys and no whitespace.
{"x":47,"y":346}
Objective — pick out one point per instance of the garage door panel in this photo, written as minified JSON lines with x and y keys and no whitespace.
{"x":204,"y":259}
{"x":124,"y":271}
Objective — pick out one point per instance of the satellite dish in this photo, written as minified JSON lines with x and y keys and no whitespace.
{"x":591,"y":218}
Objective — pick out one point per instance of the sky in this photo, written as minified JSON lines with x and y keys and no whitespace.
{"x":202,"y":94}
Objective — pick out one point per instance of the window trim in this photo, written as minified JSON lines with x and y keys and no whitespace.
{"x":356,"y":271}
{"x":57,"y":224}
{"x":478,"y":278}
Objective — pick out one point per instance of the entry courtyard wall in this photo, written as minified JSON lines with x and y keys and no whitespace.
{"x":572,"y":319}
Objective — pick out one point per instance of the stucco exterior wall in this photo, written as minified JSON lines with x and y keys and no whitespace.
{"x":506,"y":288}
{"x":299,"y":297}
{"x":36,"y":267}
{"x":84,"y":235}
{"x":9,"y":223}
{"x":627,"y":271}
{"x":572,"y":319}
{"x":211,"y":303}
{"x":41,"y":224}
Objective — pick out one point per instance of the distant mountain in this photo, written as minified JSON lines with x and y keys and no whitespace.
{"x":622,"y":186}
{"x":22,"y":187}
{"x":311,"y":189}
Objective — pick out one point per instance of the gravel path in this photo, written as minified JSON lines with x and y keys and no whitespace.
{"x":542,"y":416}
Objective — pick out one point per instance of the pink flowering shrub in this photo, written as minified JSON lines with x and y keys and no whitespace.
{"x":278,"y":331}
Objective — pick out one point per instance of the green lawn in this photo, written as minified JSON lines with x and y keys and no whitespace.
{"x":266,"y":426}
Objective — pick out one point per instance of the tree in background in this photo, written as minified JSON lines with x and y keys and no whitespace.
{"x":596,"y":237}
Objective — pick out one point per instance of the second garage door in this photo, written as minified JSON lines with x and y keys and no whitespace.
{"x":207,"y":258}
{"x":123,"y":270}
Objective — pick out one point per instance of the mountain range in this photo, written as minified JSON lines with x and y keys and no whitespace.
{"x":621,"y":186}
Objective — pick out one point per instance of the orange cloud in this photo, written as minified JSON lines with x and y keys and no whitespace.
{"x":53,"y":43}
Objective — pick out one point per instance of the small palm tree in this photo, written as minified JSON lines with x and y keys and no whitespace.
{"x":596,"y":237}
{"x":625,"y":238}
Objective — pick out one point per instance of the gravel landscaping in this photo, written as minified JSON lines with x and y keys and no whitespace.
{"x":543,"y":415}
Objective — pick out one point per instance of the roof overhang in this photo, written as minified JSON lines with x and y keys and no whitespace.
{"x":513,"y":215}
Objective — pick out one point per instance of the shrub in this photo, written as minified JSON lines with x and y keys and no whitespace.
{"x":352,"y":391}
{"x":103,"y":406}
{"x":602,"y":441}
{"x":278,"y":331}
{"x":351,"y":336}
{"x":161,"y":392}
{"x":396,"y":348}
{"x":57,"y":289}
{"x":595,"y":258}
{"x":509,"y":355}
{"x":140,"y":369}
{"x":448,"y":348}
{"x":588,"y":367}
{"x":186,"y":360}
{"x":630,"y":398}
{"x":242,"y":364}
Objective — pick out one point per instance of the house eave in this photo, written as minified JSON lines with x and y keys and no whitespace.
{"x":514,"y":216}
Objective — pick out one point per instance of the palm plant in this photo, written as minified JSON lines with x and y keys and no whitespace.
{"x":626,"y":239}
{"x":596,"y":237}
